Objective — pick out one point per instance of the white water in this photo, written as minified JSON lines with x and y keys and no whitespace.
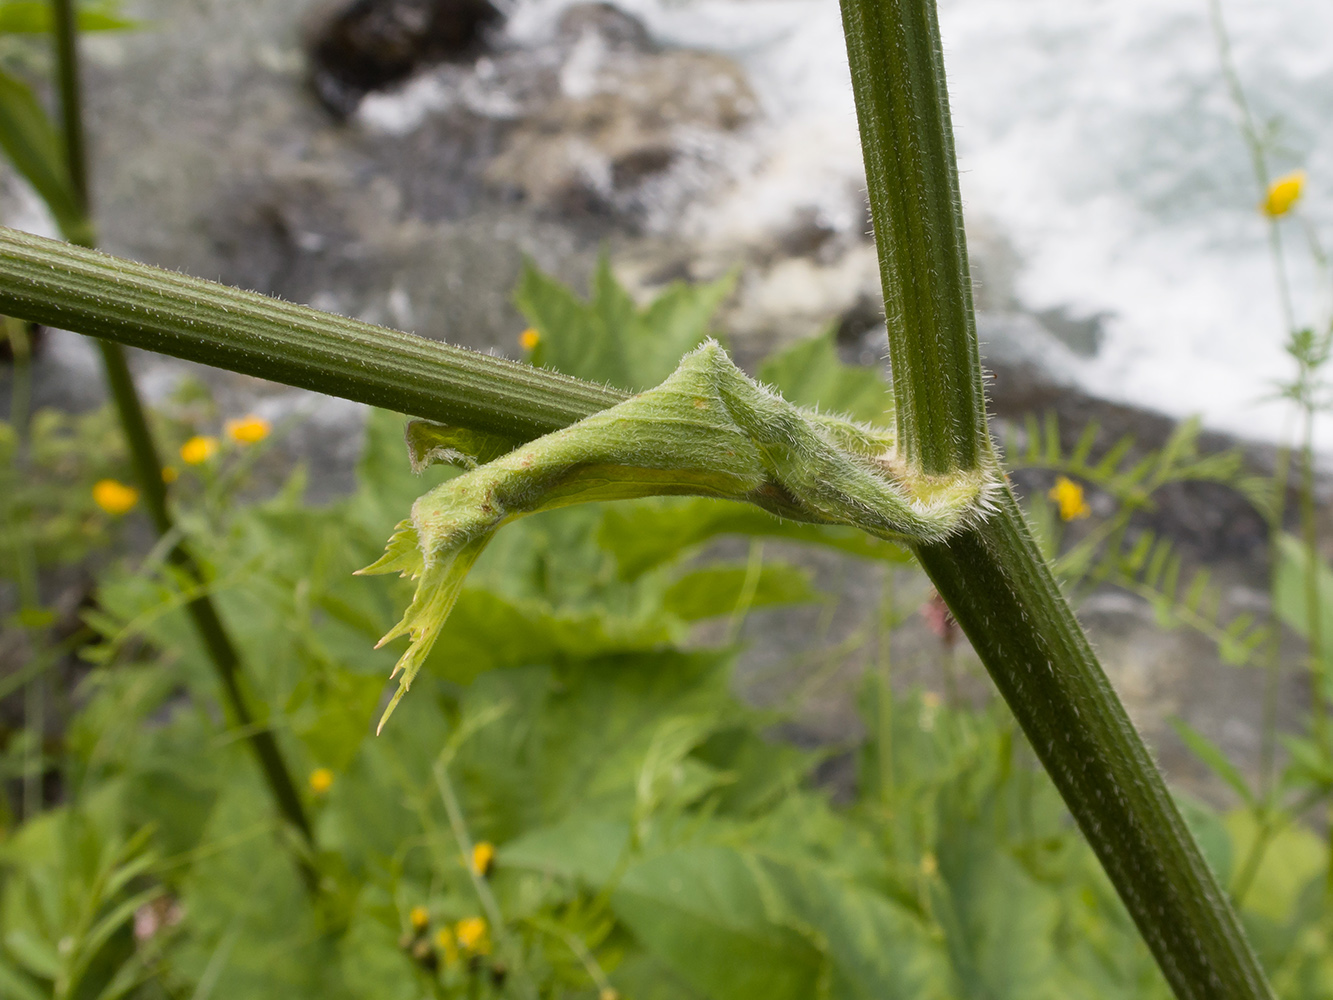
{"x":1097,"y":137}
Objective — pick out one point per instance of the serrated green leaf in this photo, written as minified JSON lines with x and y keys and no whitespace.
{"x":703,"y":911}
{"x":648,"y":533}
{"x":725,"y":590}
{"x":487,"y":632}
{"x":810,"y":373}
{"x":608,"y":338}
{"x":1210,"y":754}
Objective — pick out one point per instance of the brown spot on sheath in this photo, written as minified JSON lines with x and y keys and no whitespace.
{"x":700,"y":404}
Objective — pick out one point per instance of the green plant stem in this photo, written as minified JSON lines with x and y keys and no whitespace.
{"x":902,"y":106}
{"x":1254,"y":144}
{"x":144,"y":456}
{"x":1010,"y":607}
{"x":499,"y":928}
{"x":158,"y":310}
{"x":992,"y":576}
{"x":1313,"y":608}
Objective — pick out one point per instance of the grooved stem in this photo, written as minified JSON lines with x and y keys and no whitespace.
{"x":902,"y":106}
{"x":1004,"y":598}
{"x":159,"y":310}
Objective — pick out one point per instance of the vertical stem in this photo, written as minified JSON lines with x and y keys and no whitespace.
{"x":903,"y":110}
{"x":1313,"y":609}
{"x":992,"y":576}
{"x":148,"y":466}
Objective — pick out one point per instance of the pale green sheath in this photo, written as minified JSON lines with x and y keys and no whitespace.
{"x":708,"y":430}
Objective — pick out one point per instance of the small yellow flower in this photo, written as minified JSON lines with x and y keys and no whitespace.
{"x":199,"y":450}
{"x":471,"y":934}
{"x":321,"y":780}
{"x":1068,"y":496}
{"x":929,"y":866}
{"x":483,"y":856}
{"x":609,"y":994}
{"x":248,"y":430}
{"x":114,"y":497}
{"x":444,"y":940}
{"x":529,"y":339}
{"x":170,"y":474}
{"x":420,"y":917}
{"x":1283,"y":193}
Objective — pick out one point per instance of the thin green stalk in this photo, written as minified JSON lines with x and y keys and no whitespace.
{"x":1273,"y":666}
{"x":487,"y":898}
{"x":1254,"y":143}
{"x":1313,"y":609}
{"x":992,"y":576}
{"x":143,"y":451}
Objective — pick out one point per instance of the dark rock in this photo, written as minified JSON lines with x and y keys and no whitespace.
{"x":371,"y":44}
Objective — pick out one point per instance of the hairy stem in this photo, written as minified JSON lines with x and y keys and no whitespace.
{"x":903,"y":110}
{"x":1010,"y":607}
{"x":991,"y":575}
{"x":168,"y":312}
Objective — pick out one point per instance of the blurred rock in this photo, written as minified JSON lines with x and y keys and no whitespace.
{"x":367,"y":45}
{"x":622,"y":115}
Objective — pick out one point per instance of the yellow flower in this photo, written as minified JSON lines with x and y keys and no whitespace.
{"x":420,"y":917}
{"x":471,"y":934}
{"x":248,"y":430}
{"x":444,"y":940}
{"x":529,"y":339}
{"x":1283,"y":193}
{"x":1068,"y":495}
{"x":114,"y":497}
{"x":321,"y":780}
{"x":483,"y":856}
{"x":170,"y":474}
{"x":199,"y":450}
{"x":929,"y":866}
{"x":609,"y":994}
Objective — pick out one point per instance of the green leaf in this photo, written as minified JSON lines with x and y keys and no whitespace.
{"x":429,"y":443}
{"x":1291,"y":599}
{"x":608,"y":338}
{"x":33,"y":147}
{"x":579,"y":848}
{"x":1211,"y":755}
{"x":487,"y":632}
{"x":704,"y":911}
{"x":879,"y":949}
{"x":726,"y":590}
{"x":1294,"y":858}
{"x":647,"y":533}
{"x":812,"y":374}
